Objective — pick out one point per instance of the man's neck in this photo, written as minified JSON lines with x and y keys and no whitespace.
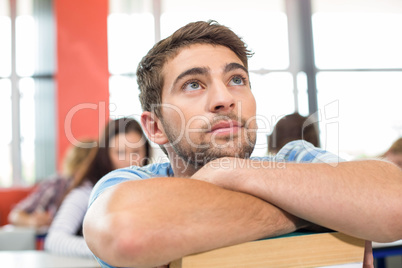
{"x":181,"y":167}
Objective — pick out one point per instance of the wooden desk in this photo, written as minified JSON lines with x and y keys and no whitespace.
{"x":43,"y":259}
{"x":297,"y":250}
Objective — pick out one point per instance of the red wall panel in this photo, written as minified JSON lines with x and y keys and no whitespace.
{"x":82,"y":70}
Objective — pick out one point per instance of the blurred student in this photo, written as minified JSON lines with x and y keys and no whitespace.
{"x":394,"y":153}
{"x":290,"y":128}
{"x":39,"y":207}
{"x":122,"y":144}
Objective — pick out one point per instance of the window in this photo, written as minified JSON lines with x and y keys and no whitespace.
{"x":272,"y":84}
{"x":5,"y":134}
{"x":369,"y":115}
{"x":27,"y":92}
{"x":130,"y":35}
{"x":359,"y":59}
{"x":5,"y":45}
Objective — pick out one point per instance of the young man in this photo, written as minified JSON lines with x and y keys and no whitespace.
{"x":195,"y":93}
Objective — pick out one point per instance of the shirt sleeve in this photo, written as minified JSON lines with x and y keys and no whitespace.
{"x":33,"y":201}
{"x":126,"y":174}
{"x":62,"y":236}
{"x":301,"y":151}
{"x":46,"y":196}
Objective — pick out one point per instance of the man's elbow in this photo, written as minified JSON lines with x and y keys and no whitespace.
{"x":114,"y":243}
{"x":391,"y":230}
{"x":389,"y":216}
{"x":395,"y":221}
{"x":389,"y":222}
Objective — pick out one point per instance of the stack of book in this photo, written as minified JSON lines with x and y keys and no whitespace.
{"x":294,"y":250}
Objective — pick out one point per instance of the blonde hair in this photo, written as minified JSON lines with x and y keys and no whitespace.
{"x":76,"y":155}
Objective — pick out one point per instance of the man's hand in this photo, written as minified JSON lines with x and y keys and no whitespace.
{"x":222,"y":172}
{"x":231,"y":174}
{"x":368,"y":261}
{"x":339,"y":198}
{"x":40,"y":219}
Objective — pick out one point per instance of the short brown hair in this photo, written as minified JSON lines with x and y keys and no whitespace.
{"x":290,"y":128}
{"x":149,"y":72}
{"x":396,"y":147}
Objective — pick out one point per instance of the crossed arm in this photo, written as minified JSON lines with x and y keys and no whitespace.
{"x":152,"y":222}
{"x":359,"y":198}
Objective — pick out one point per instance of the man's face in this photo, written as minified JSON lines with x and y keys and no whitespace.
{"x":208,"y":110}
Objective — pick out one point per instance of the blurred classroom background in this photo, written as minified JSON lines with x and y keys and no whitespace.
{"x":68,"y":66}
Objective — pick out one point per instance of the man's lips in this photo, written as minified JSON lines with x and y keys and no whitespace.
{"x":225,"y":126}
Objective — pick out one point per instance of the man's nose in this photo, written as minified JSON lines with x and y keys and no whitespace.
{"x":220,"y":98}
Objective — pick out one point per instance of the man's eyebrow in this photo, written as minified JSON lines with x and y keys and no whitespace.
{"x":234,"y":66}
{"x":192,"y":71}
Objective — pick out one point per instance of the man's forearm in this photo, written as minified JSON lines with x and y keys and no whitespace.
{"x":152,"y":222}
{"x":360,"y":198}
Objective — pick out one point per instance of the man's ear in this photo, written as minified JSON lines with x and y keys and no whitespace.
{"x":153,"y":128}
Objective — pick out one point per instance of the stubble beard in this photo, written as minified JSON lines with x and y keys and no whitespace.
{"x":239,"y":145}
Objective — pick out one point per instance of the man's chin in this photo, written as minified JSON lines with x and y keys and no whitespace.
{"x":228,"y":152}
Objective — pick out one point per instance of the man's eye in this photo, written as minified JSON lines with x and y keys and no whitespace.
{"x":192,"y":86}
{"x":237,"y":80}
